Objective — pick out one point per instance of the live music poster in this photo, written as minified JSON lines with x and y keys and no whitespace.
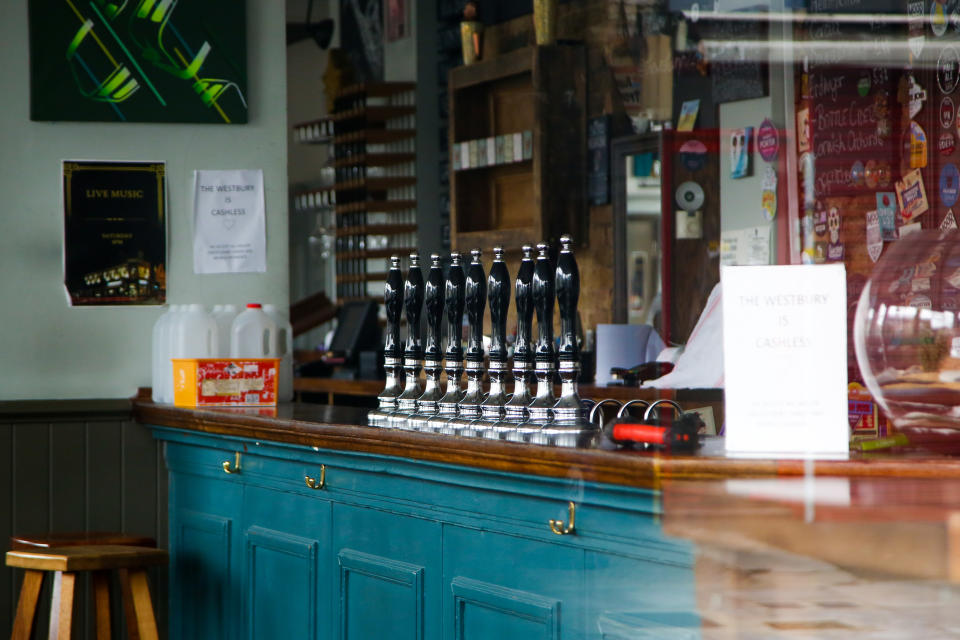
{"x":115,"y":233}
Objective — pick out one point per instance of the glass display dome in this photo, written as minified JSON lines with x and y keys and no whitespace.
{"x":907,"y":337}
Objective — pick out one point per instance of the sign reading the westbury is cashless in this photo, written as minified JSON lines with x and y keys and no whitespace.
{"x":115,"y":238}
{"x":785,"y":361}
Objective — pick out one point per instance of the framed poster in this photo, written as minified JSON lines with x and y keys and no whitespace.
{"x":138,"y":61}
{"x":115,"y":232}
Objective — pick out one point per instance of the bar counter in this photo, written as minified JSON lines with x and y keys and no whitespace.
{"x":466,"y":533}
{"x":336,"y":427}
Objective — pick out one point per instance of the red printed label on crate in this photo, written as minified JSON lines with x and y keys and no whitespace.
{"x":237,"y":382}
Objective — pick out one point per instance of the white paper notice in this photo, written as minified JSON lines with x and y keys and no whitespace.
{"x":229,"y":222}
{"x":750,"y":246}
{"x":785,"y":361}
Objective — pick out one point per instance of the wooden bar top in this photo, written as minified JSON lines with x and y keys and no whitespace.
{"x":344,"y":428}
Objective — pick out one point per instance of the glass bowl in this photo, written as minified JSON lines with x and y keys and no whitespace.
{"x":907,"y":337}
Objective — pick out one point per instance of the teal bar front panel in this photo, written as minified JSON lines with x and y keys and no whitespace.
{"x":281,"y":585}
{"x":204,"y":558}
{"x":391,"y":560}
{"x":511,"y":586}
{"x":400,"y":548}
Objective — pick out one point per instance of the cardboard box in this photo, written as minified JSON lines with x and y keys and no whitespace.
{"x":225,"y":382}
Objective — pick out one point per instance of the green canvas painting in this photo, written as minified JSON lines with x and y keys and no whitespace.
{"x":138,"y":61}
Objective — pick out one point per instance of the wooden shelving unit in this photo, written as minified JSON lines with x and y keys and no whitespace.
{"x":373,"y":143}
{"x":372,"y":132}
{"x":541,"y":89}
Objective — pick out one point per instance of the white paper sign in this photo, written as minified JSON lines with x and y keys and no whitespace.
{"x":750,"y":246}
{"x":229,"y":222}
{"x":785,"y":361}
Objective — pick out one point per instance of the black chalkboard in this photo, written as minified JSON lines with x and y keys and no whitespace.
{"x":738,"y":72}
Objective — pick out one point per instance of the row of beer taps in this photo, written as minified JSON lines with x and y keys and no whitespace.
{"x":520,"y":416}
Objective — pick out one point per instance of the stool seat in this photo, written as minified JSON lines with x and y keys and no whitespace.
{"x":129,"y":561}
{"x":86,"y":558}
{"x":74,"y":538}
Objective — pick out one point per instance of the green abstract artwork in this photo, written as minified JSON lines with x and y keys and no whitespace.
{"x":138,"y":61}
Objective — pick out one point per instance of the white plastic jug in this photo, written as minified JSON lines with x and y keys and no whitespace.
{"x":165,"y":352}
{"x":159,"y":349}
{"x":253,"y":334}
{"x":284,"y":352}
{"x":224,"y":315}
{"x":194,"y":334}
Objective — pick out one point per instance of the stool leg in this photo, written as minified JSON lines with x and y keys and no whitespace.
{"x":101,"y":603}
{"x":27,"y":605}
{"x":61,"y":605}
{"x":130,"y":615}
{"x":142,"y":605}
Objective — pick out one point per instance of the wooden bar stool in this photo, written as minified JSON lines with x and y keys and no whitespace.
{"x":66,"y":562}
{"x":25,"y":542}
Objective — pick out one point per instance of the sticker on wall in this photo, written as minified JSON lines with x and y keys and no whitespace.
{"x":949,"y":184}
{"x":946,"y":144}
{"x":857,"y":174}
{"x":740,"y":152}
{"x":693,"y":155}
{"x":938,"y":18}
{"x":915,"y":96}
{"x":948,"y":69}
{"x":887,"y":212}
{"x":803,"y":130}
{"x":949,"y":221}
{"x":835,"y":247}
{"x":917,"y":146}
{"x":874,"y":236}
{"x":768,"y":193}
{"x":870,"y":174}
{"x":688,"y":115}
{"x":689,"y":196}
{"x":911,"y":196}
{"x":948,"y":112}
{"x":768,"y":141}
{"x":820,"y":234}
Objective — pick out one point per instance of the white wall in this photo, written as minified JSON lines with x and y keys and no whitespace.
{"x":740,"y":198}
{"x":47,"y":349}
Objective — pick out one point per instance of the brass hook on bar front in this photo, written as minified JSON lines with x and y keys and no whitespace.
{"x":561,"y":529}
{"x":312,"y":482}
{"x":236,"y":464}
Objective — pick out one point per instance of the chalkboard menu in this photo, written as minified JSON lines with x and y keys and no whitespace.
{"x":735,"y":69}
{"x":851,"y":108}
